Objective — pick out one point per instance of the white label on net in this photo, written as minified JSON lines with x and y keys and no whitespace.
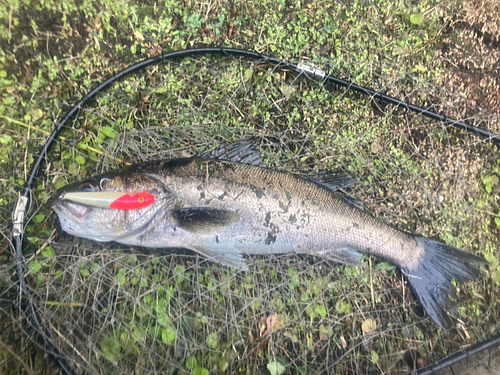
{"x":311,"y":70}
{"x":18,"y":220}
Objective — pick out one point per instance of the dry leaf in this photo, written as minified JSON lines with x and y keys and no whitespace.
{"x":274,"y":322}
{"x":368,"y":326}
{"x":139,"y":36}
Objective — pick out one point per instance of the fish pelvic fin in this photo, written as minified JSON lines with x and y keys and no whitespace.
{"x":226,"y":255}
{"x":430,"y":281}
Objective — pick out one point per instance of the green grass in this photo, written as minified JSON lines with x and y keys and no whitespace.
{"x":409,"y":171}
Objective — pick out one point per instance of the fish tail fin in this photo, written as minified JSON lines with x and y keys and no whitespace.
{"x":430,"y":281}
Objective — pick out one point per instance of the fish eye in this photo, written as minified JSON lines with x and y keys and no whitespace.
{"x":87,"y":187}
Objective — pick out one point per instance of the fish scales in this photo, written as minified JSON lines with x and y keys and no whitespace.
{"x":281,"y":212}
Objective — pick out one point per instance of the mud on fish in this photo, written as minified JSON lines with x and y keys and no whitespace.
{"x":225,"y":203}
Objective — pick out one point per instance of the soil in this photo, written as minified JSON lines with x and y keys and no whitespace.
{"x":472,"y":51}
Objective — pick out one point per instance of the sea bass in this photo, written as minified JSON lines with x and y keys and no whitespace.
{"x":225,"y":204}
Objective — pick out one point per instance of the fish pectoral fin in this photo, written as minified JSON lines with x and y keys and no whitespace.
{"x":203,"y":220}
{"x":344,"y":256}
{"x":222,"y":254}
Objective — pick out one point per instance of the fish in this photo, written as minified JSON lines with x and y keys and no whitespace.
{"x":227,"y":204}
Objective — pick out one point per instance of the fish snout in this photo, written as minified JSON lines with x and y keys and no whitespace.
{"x":53,"y":202}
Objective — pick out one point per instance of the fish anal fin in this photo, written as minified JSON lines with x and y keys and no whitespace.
{"x":344,"y":256}
{"x":222,"y":254}
{"x":203,"y":220}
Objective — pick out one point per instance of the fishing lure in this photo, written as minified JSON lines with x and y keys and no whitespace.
{"x":113,"y":200}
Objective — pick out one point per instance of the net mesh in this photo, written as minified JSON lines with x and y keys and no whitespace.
{"x":111,"y":309}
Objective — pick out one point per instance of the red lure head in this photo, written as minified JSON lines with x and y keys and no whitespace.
{"x":132,"y":202}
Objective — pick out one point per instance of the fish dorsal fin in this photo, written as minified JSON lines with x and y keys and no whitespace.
{"x":333,"y":180}
{"x":354,"y":202}
{"x":203,"y":220}
{"x":243,"y":152}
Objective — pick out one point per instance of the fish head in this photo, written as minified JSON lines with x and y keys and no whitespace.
{"x":106,"y":224}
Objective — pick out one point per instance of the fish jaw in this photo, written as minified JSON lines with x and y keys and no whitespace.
{"x":72,"y":218}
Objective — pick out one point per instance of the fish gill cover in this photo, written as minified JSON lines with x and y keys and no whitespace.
{"x":114,"y":309}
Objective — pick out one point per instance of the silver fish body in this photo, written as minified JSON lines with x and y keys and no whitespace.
{"x":224,"y":209}
{"x":252,"y":210}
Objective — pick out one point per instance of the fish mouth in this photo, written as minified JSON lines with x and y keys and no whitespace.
{"x":68,"y":213}
{"x":63,"y":207}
